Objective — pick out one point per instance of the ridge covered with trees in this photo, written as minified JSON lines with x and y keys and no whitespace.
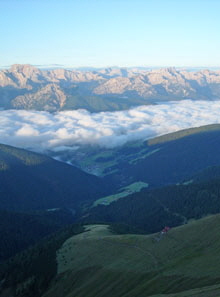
{"x":30,"y":181}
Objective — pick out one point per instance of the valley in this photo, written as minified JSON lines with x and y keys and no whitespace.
{"x":116,"y":216}
{"x":110,"y":148}
{"x":169,"y":159}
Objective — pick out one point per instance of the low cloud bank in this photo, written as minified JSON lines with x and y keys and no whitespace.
{"x":41,"y":131}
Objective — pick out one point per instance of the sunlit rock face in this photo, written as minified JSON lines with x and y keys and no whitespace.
{"x":27,"y":87}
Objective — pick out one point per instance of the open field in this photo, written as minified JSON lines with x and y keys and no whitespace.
{"x":123,"y":192}
{"x":181,"y":263}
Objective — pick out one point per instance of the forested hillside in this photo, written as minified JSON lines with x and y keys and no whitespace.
{"x":150,"y":210}
{"x":30,"y":181}
{"x":166,"y":160}
{"x":30,"y":272}
{"x":18,"y":231}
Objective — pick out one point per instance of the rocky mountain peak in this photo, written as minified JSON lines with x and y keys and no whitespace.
{"x":25,"y":86}
{"x":24,"y":68}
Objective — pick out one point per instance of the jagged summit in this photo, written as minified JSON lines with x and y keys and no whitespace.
{"x":26,"y":69}
{"x":22,"y":67}
{"x":138,"y":87}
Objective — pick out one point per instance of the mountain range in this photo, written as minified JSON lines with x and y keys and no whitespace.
{"x":27,"y":87}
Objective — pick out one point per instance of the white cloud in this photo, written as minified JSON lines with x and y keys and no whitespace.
{"x":26,"y":131}
{"x":40,"y":131}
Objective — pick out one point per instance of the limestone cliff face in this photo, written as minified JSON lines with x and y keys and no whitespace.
{"x":25,"y":86}
{"x":153,"y":84}
{"x":21,"y":76}
{"x":50,"y":98}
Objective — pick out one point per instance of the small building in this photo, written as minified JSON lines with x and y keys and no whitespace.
{"x":165,"y":230}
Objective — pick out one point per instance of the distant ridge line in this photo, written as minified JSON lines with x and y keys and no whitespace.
{"x":183,"y":133}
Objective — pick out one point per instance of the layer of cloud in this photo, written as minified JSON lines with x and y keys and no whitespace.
{"x":41,"y":131}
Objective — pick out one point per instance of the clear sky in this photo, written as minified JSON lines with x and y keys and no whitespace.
{"x":102,"y":33}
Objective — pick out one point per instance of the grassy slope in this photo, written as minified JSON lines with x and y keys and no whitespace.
{"x":209,"y":291}
{"x":29,"y":273}
{"x":122,"y":193}
{"x":98,"y":263}
{"x":183,"y":133}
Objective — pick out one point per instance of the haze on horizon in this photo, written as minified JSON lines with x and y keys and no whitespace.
{"x":126,"y":33}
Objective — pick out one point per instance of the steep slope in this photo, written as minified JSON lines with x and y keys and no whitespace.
{"x":30,"y":181}
{"x":166,"y":160}
{"x":30,"y":272}
{"x":49,"y":98}
{"x":183,"y":262}
{"x":149,"y":210}
{"x":18,"y":231}
{"x":97,"y":263}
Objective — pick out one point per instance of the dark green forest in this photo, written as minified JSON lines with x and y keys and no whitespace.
{"x":18,"y":231}
{"x":168,"y":162}
{"x":150,"y":210}
{"x":30,"y":181}
{"x":30,"y":272}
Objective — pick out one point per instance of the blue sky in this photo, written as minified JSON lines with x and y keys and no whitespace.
{"x":103,"y":33}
